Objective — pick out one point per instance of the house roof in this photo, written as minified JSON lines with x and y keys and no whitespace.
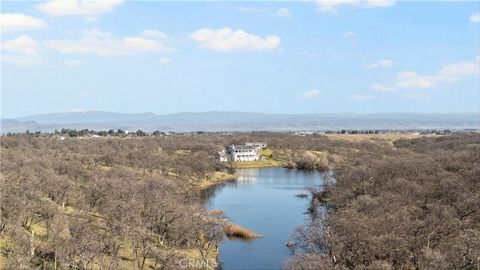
{"x":243,"y":147}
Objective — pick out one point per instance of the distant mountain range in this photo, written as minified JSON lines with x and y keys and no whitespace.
{"x":238,"y":121}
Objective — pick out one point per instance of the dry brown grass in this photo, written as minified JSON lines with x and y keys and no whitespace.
{"x":215,"y":178}
{"x":237,"y":231}
{"x":267,"y":162}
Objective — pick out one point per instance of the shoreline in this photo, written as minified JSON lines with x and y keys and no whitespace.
{"x":216,"y":178}
{"x":267,"y":163}
{"x":219,"y":177}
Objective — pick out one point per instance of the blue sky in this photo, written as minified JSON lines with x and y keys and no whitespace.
{"x":276,"y":57}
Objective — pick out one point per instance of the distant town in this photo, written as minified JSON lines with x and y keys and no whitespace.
{"x":88,"y":133}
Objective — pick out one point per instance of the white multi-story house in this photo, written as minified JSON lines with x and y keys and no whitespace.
{"x":241,"y":153}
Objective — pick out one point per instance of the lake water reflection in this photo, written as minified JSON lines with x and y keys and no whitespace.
{"x":264,"y":201}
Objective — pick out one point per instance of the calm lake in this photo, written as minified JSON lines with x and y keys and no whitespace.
{"x":264,"y":201}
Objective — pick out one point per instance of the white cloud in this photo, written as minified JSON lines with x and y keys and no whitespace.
{"x":21,"y":45}
{"x":383,"y":63}
{"x":475,"y":18}
{"x":154,"y":34}
{"x":311,"y":94}
{"x":447,"y":73}
{"x":226,"y":39}
{"x":410,"y":79}
{"x":285,"y":13}
{"x":104,"y":44}
{"x":21,"y":51}
{"x":460,"y":69}
{"x":164,"y":60}
{"x":380,"y":3}
{"x":12,"y":22}
{"x":360,"y":97}
{"x":78,"y":7}
{"x":73,"y":63}
{"x":332,"y":5}
{"x":383,"y":88}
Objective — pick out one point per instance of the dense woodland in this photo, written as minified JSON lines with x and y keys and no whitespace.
{"x":134,"y":202}
{"x":412,"y":206}
{"x":107,"y":203}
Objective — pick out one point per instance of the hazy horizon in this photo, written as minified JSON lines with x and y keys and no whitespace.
{"x":240,"y":112}
{"x":240,"y":121}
